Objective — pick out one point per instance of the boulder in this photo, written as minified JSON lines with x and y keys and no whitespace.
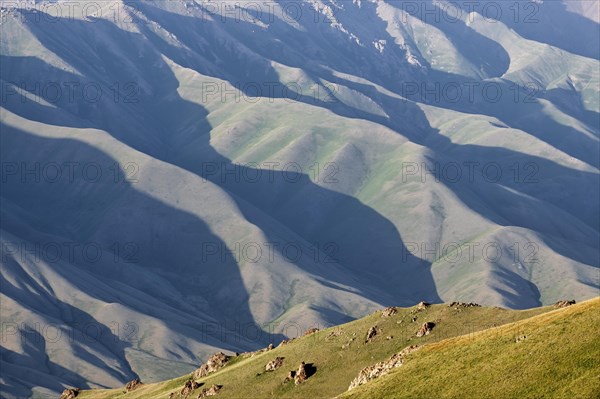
{"x":188,"y":387}
{"x":382,"y":368}
{"x":290,"y":376}
{"x":133,"y":384}
{"x":372,"y":333}
{"x":214,"y":363}
{"x":70,"y":393}
{"x":274,"y":364}
{"x":212,"y":391}
{"x":301,"y":374}
{"x":389,"y":311}
{"x":422,"y":306}
{"x":425,"y":329}
{"x":564,"y":303}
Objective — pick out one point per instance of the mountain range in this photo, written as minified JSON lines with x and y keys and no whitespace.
{"x":182,"y":177}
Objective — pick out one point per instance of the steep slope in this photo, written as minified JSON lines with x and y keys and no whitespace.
{"x":460,"y":336}
{"x":554,"y":355}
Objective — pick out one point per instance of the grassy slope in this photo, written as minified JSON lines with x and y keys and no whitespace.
{"x":336,"y":367}
{"x":560,"y":358}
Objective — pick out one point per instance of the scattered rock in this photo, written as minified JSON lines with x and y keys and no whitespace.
{"x":423,"y":305}
{"x":188,"y":387}
{"x":335,"y":333}
{"x":131,"y":385}
{"x":268,"y":348}
{"x":171,"y":395}
{"x":457,"y":305}
{"x":382,"y":368}
{"x":212,"y":391}
{"x":372,"y":333}
{"x":414,"y":319}
{"x":425,"y":329}
{"x":300,"y":376}
{"x":274,"y":364}
{"x":214,"y":363}
{"x":311,"y":331}
{"x":521,"y":338}
{"x":389,"y":311}
{"x":389,"y":337}
{"x":564,"y":304}
{"x":285,"y":342}
{"x":70,"y":393}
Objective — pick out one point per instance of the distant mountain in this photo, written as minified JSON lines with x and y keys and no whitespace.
{"x":181,"y":177}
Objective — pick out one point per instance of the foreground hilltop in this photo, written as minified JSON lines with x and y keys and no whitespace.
{"x":447,"y":350}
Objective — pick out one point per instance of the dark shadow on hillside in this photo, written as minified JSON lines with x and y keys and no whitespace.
{"x":516,"y":284}
{"x":517,"y":113}
{"x":34,"y":367}
{"x":368,"y":243}
{"x":547,"y":22}
{"x":493,"y":62}
{"x":108,"y":212}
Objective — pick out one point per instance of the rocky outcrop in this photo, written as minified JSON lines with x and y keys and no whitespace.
{"x":70,"y":393}
{"x":131,"y":385}
{"x":285,"y":342}
{"x":212,"y":391}
{"x":564,"y":304}
{"x":425,"y":329}
{"x":372,"y":333}
{"x":274,"y":364}
{"x":457,"y":305}
{"x":188,"y":387}
{"x":382,"y":368}
{"x":290,"y":376}
{"x":301,"y":375}
{"x":268,"y":348}
{"x":214,"y":363}
{"x":311,"y":331}
{"x":422,"y":306}
{"x":389,"y":311}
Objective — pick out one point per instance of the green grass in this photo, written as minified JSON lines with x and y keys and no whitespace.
{"x":336,"y":367}
{"x":560,"y":358}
